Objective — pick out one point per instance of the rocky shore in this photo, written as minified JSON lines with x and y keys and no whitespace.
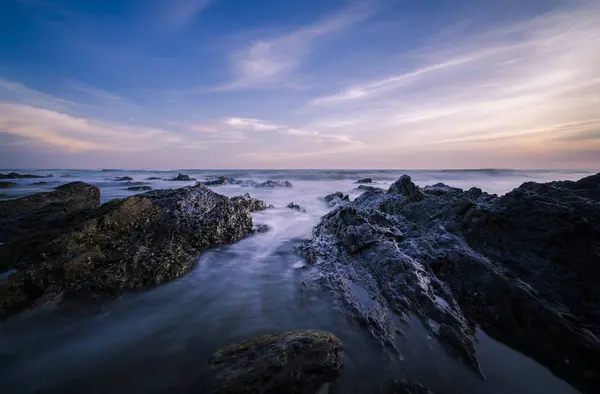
{"x":64,"y":243}
{"x":525,"y":267}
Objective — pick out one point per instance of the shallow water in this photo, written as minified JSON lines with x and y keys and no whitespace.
{"x":160,"y":340}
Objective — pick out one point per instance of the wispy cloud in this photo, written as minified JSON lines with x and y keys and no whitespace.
{"x":518,"y":87}
{"x":179,"y":13}
{"x":272,"y":61}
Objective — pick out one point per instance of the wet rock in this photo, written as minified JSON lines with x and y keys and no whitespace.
{"x":274,"y":184}
{"x":260,"y":228}
{"x":403,"y":387}
{"x":7,"y":185}
{"x":153,"y":178}
{"x":40,"y":183}
{"x":16,"y":175}
{"x":295,"y":362}
{"x":370,"y":188}
{"x":123,"y":178}
{"x":365,"y":180}
{"x":219,"y":181}
{"x":295,"y":207}
{"x":336,"y":198}
{"x":2,"y":195}
{"x":65,"y":244}
{"x":67,"y":175}
{"x":135,"y":183}
{"x":248,"y":203}
{"x":139,"y":188}
{"x":523,"y":266}
{"x":182,"y":177}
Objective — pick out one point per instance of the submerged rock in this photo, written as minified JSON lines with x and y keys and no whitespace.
{"x":153,"y":178}
{"x":226,"y":180}
{"x":16,"y":175}
{"x":370,"y":188}
{"x":123,"y":178}
{"x":182,"y":177}
{"x":139,"y":188}
{"x":403,"y":387}
{"x":295,"y":207}
{"x":336,"y":198}
{"x":295,"y":362}
{"x":64,"y":243}
{"x":40,"y":183}
{"x":7,"y":185}
{"x":365,"y":180}
{"x":524,"y":266}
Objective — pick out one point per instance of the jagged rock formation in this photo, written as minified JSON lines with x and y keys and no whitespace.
{"x":524,"y":266}
{"x":64,"y":243}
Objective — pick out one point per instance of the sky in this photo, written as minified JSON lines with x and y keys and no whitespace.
{"x":369,"y":84}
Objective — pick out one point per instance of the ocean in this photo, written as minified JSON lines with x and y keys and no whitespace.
{"x":160,"y":340}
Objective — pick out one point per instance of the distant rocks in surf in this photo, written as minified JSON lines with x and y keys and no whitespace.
{"x":226,"y":180}
{"x":369,"y":188}
{"x":365,"y":180}
{"x":288,"y":362}
{"x":64,"y":243}
{"x":16,"y":175}
{"x":260,"y":228}
{"x":295,"y":207}
{"x":336,"y":198}
{"x":40,"y":183}
{"x":123,"y":178}
{"x":134,"y":183}
{"x":7,"y":185}
{"x":3,"y":195}
{"x":153,"y":178}
{"x":67,"y":175}
{"x":183,"y":178}
{"x":139,"y":188}
{"x":523,"y":267}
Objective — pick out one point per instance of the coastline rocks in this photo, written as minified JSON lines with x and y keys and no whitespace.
{"x":403,"y":387}
{"x":295,"y":207}
{"x":524,"y":266}
{"x":248,"y":203}
{"x":182,"y":177}
{"x":15,"y":175}
{"x":64,"y":243}
{"x":260,"y":228}
{"x":40,"y":183}
{"x":226,"y":180}
{"x":7,"y":185}
{"x":369,"y":188}
{"x":139,"y":188}
{"x":3,"y":195}
{"x":365,"y":180}
{"x":153,"y":178}
{"x":295,"y":362}
{"x":336,"y":198}
{"x":123,"y":178}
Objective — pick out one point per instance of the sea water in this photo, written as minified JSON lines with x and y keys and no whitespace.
{"x":160,"y":340}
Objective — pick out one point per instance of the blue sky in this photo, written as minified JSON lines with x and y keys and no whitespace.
{"x":300,"y":84}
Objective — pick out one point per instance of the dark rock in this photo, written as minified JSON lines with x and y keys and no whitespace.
{"x":274,"y":184}
{"x":67,"y":175}
{"x":222,"y":180}
{"x":295,"y":362}
{"x":524,"y":266}
{"x":135,"y":183}
{"x":7,"y":185}
{"x":123,"y":178}
{"x":227,"y":180}
{"x":40,"y":183}
{"x":183,"y":177}
{"x":403,"y":387}
{"x":370,"y":188}
{"x":2,"y":195}
{"x":248,"y":203}
{"x":153,"y":178}
{"x":15,"y":175}
{"x":64,"y":243}
{"x":139,"y":188}
{"x":296,"y":207}
{"x":260,"y":228}
{"x":336,"y":198}
{"x":365,"y":180}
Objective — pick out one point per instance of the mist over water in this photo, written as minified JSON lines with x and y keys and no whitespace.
{"x":160,"y":340}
